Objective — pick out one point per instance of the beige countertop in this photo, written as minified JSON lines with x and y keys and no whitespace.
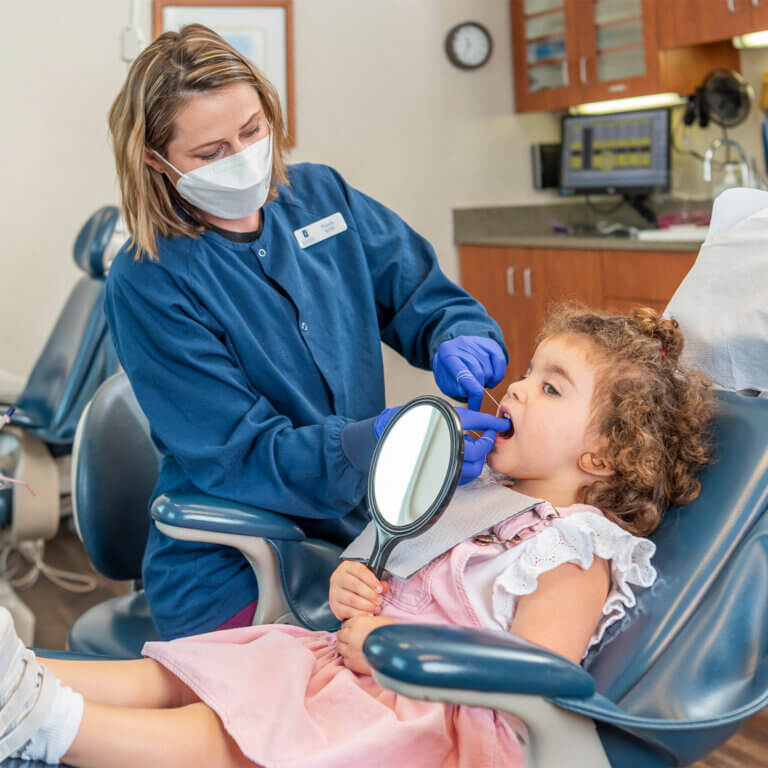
{"x":531,"y":227}
{"x":582,"y":243}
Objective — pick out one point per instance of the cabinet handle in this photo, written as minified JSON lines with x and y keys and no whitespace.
{"x":732,"y":6}
{"x":566,"y":76}
{"x":757,"y":4}
{"x":527,"y":272}
{"x":511,"y":281}
{"x":583,"y":67}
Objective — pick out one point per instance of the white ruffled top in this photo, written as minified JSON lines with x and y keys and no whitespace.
{"x":495,"y":585}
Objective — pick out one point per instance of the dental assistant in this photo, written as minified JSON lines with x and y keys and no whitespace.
{"x":248,"y":311}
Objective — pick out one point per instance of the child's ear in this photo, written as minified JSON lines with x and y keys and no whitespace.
{"x":594,"y":464}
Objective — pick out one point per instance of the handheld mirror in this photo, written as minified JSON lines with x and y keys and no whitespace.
{"x":414,"y":472}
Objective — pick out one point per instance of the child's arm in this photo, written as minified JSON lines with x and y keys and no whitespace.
{"x":355,"y":591}
{"x":563,"y":611}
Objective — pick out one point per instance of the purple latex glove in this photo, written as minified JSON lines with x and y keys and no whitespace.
{"x":464,"y":366}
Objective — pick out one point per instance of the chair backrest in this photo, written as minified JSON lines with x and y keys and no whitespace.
{"x":78,"y":355}
{"x":696,"y":643}
{"x":114,"y":471}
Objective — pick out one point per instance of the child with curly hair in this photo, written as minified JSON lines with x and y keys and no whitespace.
{"x":606,"y":425}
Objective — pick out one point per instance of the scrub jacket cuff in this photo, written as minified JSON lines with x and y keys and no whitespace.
{"x":358,"y":441}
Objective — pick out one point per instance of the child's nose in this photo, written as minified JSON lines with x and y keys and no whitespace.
{"x":516,"y":390}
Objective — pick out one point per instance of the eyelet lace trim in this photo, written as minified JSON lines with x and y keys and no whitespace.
{"x":577,"y":538}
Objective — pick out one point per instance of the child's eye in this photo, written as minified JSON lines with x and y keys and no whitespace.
{"x":551,"y":390}
{"x":254,"y":131}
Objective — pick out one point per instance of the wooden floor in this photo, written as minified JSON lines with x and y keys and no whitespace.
{"x":55,"y":610}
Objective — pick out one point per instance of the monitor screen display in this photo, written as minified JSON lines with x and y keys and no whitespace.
{"x":627,"y":152}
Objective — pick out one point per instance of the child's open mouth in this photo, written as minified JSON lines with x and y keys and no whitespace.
{"x":508,"y":433}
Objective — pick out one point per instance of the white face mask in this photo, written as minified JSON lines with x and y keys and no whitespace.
{"x":230,"y":188}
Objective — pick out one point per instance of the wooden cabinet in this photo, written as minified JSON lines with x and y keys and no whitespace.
{"x":618,"y":56}
{"x":518,"y":285}
{"x":544,"y":45}
{"x":635,"y":278}
{"x":687,"y":22}
{"x":759,"y":13}
{"x":571,"y":51}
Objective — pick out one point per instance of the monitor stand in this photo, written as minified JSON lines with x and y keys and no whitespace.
{"x":639,"y":203}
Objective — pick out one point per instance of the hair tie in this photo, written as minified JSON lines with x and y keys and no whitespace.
{"x":661,"y":349}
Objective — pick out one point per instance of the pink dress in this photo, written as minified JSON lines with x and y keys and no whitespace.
{"x":287,"y":699}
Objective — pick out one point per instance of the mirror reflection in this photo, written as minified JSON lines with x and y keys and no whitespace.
{"x":413,"y":465}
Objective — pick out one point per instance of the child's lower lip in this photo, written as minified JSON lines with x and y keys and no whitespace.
{"x":500,"y":439}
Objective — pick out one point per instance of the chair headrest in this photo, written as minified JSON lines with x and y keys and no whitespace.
{"x":93,"y":240}
{"x":705,"y":616}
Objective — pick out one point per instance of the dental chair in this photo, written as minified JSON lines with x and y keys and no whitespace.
{"x":669,"y":684}
{"x":77,"y":357}
{"x":114,"y":470}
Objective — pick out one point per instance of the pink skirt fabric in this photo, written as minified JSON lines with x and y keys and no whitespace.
{"x":285,"y":696}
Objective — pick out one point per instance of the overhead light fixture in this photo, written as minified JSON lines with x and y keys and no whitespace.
{"x":752,"y":40}
{"x":629,"y":104}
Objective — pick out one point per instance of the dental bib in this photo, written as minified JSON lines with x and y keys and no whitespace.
{"x":721,"y":303}
{"x":474,"y":508}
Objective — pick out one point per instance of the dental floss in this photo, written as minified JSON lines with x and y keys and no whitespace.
{"x":498,"y":404}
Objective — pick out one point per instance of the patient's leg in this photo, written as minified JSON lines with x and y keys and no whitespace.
{"x":121,"y":737}
{"x":135,"y":683}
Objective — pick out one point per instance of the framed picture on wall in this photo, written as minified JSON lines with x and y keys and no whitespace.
{"x":262,"y":30}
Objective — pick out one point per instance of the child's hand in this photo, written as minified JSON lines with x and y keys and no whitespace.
{"x":350,"y":639}
{"x":355,"y":591}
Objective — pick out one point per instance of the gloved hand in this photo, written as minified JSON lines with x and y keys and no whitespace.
{"x":475,"y":449}
{"x":465,"y":365}
{"x":380,"y":424}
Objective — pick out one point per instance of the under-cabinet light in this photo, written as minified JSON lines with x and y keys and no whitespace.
{"x":752,"y":40}
{"x":625,"y":105}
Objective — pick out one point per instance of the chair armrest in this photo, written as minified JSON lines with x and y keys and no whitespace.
{"x":473,"y":659}
{"x":208,"y":513}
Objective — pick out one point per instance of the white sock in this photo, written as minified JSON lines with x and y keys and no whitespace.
{"x":54,"y":738}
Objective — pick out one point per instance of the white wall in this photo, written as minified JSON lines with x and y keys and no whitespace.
{"x":375,"y":97}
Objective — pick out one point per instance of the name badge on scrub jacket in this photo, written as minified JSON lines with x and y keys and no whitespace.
{"x":320,"y":230}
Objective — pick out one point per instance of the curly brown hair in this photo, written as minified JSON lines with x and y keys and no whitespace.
{"x":656,"y":414}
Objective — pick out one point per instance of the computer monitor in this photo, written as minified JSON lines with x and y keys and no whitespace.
{"x":623,"y":153}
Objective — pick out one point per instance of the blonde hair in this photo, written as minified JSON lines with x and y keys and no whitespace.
{"x":656,"y":414}
{"x":161,"y":80}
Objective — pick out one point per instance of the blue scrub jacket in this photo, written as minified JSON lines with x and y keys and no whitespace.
{"x":259,"y":368}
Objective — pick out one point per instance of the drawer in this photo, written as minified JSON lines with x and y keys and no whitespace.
{"x":652,"y":276}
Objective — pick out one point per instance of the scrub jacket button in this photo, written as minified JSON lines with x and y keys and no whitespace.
{"x":304,"y":326}
{"x":262,"y":253}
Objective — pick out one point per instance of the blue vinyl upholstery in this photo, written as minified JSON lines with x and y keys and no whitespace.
{"x":78,"y":355}
{"x":114,"y":472}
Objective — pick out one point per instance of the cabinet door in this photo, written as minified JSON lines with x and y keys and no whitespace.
{"x":504,"y":280}
{"x":543,"y":46}
{"x":642,"y":278}
{"x":759,"y":12}
{"x":688,"y":22}
{"x":619,"y":49}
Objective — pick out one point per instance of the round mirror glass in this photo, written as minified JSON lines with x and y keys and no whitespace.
{"x":413,"y":465}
